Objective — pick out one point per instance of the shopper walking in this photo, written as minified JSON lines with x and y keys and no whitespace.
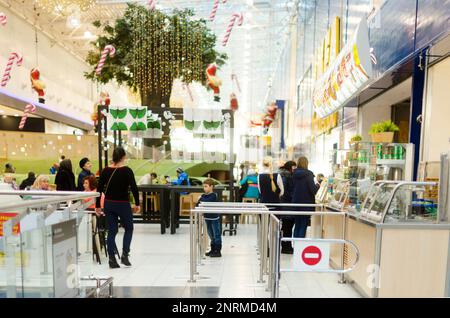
{"x":304,"y":192}
{"x":286,"y":173}
{"x":28,"y":182}
{"x":250,"y":181}
{"x":65,"y":179}
{"x":270,"y":185}
{"x":115,"y":182}
{"x":212,"y":220}
{"x":85,"y":166}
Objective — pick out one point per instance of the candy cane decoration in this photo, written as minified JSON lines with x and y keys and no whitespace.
{"x":3,"y":18}
{"x":231,"y":25}
{"x":212,"y":16}
{"x":152,"y":4}
{"x":186,"y":87}
{"x":108,"y":49}
{"x":30,"y":108}
{"x":7,"y":75}
{"x":234,"y":77}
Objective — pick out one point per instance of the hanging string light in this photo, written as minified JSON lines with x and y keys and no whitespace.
{"x":64,"y":6}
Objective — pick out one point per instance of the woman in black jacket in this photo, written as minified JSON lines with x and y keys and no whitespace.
{"x":65,"y":179}
{"x":116,"y":182}
{"x":304,"y":192}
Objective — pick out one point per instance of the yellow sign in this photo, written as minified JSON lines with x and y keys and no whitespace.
{"x":321,"y":126}
{"x":329,"y":49}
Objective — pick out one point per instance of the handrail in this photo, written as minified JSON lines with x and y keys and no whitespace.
{"x":397,"y":187}
{"x":108,"y":283}
{"x":39,"y":203}
{"x":40,"y":192}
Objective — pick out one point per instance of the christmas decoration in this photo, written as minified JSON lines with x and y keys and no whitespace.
{"x":213,"y":81}
{"x":212,"y":16}
{"x":233,"y":102}
{"x":154,"y":48}
{"x":139,"y":115}
{"x":3,"y":19}
{"x":30,"y":108}
{"x":104,"y":101}
{"x":186,"y":87}
{"x":37,"y":84}
{"x":268,"y":118}
{"x":152,"y":4}
{"x":109,"y":49}
{"x":235,"y":80}
{"x":235,"y":16}
{"x":7,"y":75}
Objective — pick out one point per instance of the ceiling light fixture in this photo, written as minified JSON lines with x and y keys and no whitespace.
{"x":88,"y":34}
{"x":65,"y":7}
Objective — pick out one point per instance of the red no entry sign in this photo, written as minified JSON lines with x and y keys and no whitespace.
{"x":311,"y":255}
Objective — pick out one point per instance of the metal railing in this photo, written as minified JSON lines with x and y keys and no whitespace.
{"x":101,"y":284}
{"x":43,"y":204}
{"x":268,"y":234}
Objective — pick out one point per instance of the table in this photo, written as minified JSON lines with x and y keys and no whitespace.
{"x":163,"y":191}
{"x":166,"y":192}
{"x":174,"y":190}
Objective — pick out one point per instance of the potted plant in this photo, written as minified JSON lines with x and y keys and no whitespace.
{"x":383,"y":131}
{"x":354,"y":141}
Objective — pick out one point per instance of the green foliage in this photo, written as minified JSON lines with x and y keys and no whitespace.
{"x":385,"y":126}
{"x":356,"y":138}
{"x":120,"y":35}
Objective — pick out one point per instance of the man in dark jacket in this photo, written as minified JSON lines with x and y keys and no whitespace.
{"x":304,"y":192}
{"x":287,"y":221}
{"x":28,"y":182}
{"x":85,"y":166}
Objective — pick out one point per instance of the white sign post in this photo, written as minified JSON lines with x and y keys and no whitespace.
{"x":311,"y":256}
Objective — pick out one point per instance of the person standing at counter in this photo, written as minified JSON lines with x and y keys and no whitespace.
{"x":286,"y":172}
{"x":304,"y":192}
{"x":270,"y":185}
{"x":115,"y":182}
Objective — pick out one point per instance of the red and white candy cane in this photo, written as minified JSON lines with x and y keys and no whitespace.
{"x":3,"y":18}
{"x":7,"y":75}
{"x":30,"y":108}
{"x":109,"y":49}
{"x":234,"y":77}
{"x":186,"y":87}
{"x":212,"y":16}
{"x":235,"y":16}
{"x":152,"y":4}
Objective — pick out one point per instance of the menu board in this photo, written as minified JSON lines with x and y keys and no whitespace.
{"x":348,"y":74}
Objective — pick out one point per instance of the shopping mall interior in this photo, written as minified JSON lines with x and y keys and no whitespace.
{"x":224,"y":149}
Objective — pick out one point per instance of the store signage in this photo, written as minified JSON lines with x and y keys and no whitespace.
{"x":324,"y":125}
{"x":310,"y":256}
{"x":5,"y":216}
{"x":346,"y":76}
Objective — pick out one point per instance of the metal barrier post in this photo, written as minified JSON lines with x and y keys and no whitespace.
{"x":198,"y":256}
{"x":277,"y":253}
{"x":263,"y":250}
{"x":271,"y":249}
{"x":266,"y":231}
{"x":191,"y":250}
{"x":342,"y":279}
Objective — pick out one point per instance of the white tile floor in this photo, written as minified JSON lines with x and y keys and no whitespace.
{"x":163,"y":261}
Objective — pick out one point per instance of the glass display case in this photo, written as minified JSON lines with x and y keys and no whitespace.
{"x":338,"y":190}
{"x":400,"y":201}
{"x":366,"y":163}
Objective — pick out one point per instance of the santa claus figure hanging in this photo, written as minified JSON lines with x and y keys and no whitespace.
{"x":234,"y":102}
{"x":213,"y":81}
{"x":104,"y":101}
{"x":269,"y":117}
{"x":37,"y":84}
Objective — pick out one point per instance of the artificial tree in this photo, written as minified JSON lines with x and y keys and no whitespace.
{"x":152,"y":49}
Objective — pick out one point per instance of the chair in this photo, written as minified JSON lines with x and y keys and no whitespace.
{"x":248,"y":218}
{"x":186,"y":204}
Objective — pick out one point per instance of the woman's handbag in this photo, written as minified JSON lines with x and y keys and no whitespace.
{"x":242,"y":191}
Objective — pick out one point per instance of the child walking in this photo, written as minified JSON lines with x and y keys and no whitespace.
{"x":212,"y":220}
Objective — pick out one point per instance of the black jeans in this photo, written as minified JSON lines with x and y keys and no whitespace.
{"x":115,"y":210}
{"x":286,"y":227}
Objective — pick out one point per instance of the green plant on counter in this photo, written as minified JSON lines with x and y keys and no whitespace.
{"x":385,"y":126}
{"x":356,"y":138}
